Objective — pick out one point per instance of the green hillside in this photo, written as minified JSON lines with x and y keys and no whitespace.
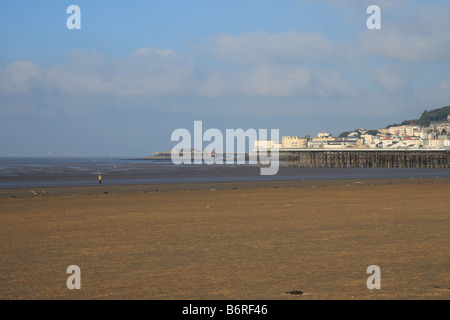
{"x":426,"y":117}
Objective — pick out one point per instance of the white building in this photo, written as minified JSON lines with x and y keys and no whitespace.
{"x":411,"y":131}
{"x":405,"y":130}
{"x":267,"y":144}
{"x":324,"y":135}
{"x":447,"y":144}
{"x":434,"y":144}
{"x":289,"y":142}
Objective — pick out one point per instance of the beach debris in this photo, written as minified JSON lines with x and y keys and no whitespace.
{"x":37,"y":194}
{"x":295,"y":292}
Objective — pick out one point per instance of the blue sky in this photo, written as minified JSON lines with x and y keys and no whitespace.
{"x":138,"y":70}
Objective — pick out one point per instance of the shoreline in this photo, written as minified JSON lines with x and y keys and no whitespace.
{"x":22,"y":192}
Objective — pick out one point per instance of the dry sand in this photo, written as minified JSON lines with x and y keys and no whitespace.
{"x":237,"y":241}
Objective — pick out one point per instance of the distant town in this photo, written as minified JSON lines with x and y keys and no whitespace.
{"x":431,"y":132}
{"x":436,"y":135}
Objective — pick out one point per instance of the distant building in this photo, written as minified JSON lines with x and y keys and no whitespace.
{"x":368,"y":139}
{"x":404,"y":131}
{"x":289,"y":142}
{"x":397,"y":131}
{"x":267,"y":144}
{"x":382,"y":132}
{"x":434,"y":136}
{"x":409,"y":143}
{"x":443,"y":126}
{"x":411,"y":130}
{"x":434,"y":144}
{"x":447,"y":144}
{"x":388,"y":142}
{"x":324,"y":135}
{"x":423,"y":135}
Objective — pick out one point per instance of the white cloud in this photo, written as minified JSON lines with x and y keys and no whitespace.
{"x":19,"y":77}
{"x":270,"y":81}
{"x":434,"y":95}
{"x":264,"y":80}
{"x":146,"y":72}
{"x":407,"y":47}
{"x":420,"y":37}
{"x":294,"y":71}
{"x":275,"y":65}
{"x":288,"y":47}
{"x":391,"y":79}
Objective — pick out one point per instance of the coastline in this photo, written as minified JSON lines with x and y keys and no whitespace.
{"x":21,"y":192}
{"x":70,"y":172}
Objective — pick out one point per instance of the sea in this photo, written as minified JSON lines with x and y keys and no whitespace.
{"x":24,"y":172}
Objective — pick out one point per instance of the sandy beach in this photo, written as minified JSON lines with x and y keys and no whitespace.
{"x":236,"y":240}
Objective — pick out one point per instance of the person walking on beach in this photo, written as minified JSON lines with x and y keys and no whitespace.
{"x":99,"y":178}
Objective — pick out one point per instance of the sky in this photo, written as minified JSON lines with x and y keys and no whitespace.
{"x":138,"y":70}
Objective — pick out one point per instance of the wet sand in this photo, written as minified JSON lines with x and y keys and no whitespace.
{"x":237,"y":240}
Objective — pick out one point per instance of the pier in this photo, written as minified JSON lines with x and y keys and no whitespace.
{"x":347,"y":158}
{"x":365,"y":158}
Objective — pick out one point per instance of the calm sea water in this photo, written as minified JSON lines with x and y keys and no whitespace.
{"x":45,"y":172}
